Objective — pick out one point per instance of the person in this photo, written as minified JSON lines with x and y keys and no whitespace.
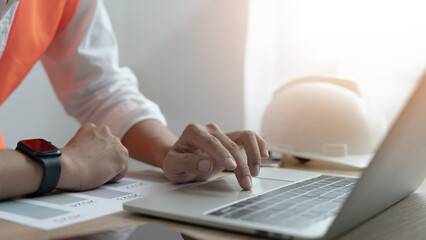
{"x":75,"y":42}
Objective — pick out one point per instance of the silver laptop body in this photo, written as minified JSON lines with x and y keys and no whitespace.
{"x":396,"y":170}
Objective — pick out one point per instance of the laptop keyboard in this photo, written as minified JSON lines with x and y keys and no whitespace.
{"x":298,"y":205}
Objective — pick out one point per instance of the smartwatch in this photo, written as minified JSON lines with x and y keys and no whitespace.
{"x":49,"y":156}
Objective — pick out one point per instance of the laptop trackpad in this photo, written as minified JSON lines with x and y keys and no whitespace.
{"x":229,"y":184}
{"x":225,"y":190}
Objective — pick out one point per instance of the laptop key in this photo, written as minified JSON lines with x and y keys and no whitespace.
{"x":257,"y":217}
{"x":240,"y":213}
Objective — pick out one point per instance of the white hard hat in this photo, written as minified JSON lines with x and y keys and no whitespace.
{"x":323,"y":118}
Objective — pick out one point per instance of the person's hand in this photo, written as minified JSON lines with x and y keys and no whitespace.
{"x":203,"y":151}
{"x":91,"y":158}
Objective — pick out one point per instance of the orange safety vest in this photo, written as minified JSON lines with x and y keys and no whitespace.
{"x":35,"y":24}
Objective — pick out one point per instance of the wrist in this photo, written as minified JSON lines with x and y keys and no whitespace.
{"x":149,"y":141}
{"x":162,"y":155}
{"x":35,"y":172}
{"x":19,"y":174}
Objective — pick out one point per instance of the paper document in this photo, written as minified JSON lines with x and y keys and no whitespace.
{"x":60,"y":209}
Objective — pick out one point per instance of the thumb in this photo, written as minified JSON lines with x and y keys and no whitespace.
{"x":184,"y":167}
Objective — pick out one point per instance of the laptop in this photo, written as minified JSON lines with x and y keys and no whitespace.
{"x":293,"y":204}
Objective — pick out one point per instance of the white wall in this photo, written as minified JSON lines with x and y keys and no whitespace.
{"x":188,"y":55}
{"x":189,"y":58}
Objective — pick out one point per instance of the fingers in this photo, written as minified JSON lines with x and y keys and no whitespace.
{"x":255,"y":147}
{"x":242,"y":171}
{"x":223,"y":151}
{"x":251,"y":147}
{"x":121,"y":175}
{"x":198,"y":137}
{"x":262,"y":146}
{"x":118,"y":177}
{"x":239,"y":137}
{"x":188,"y":167}
{"x":123,"y":157}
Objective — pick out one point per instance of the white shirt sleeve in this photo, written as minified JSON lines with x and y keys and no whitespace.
{"x":82,"y":64}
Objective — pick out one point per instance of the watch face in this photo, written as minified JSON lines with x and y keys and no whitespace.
{"x":39,"y":145}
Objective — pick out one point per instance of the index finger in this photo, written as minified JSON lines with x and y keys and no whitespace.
{"x":242,"y":171}
{"x":197,"y":136}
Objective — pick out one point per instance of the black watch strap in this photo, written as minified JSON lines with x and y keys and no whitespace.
{"x":48,"y":156}
{"x":51,"y":175}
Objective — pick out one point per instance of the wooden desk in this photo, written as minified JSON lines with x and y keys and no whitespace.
{"x":406,"y":220}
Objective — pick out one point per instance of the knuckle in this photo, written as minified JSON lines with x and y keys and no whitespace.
{"x":122,"y":161}
{"x":123,"y":152}
{"x":243,"y":169}
{"x":116,"y":140}
{"x":249,"y":134}
{"x":192,"y":127}
{"x":121,"y":166}
{"x":255,"y":160}
{"x":232,"y":146}
{"x":88,"y":126}
{"x":104,"y":128}
{"x":212,"y":141}
{"x":213,"y":126}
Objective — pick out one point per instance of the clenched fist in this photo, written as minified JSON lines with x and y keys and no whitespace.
{"x":91,"y":158}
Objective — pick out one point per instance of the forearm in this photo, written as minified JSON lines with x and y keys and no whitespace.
{"x":19,"y":174}
{"x":149,"y":141}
